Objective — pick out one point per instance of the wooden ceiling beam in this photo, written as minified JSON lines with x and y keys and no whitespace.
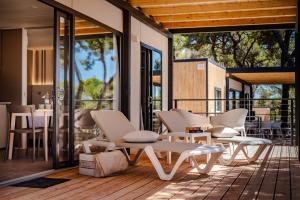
{"x":227,"y":15}
{"x":90,"y":31}
{"x":159,"y":3}
{"x":218,"y":7}
{"x":87,"y":31}
{"x":231,"y":22}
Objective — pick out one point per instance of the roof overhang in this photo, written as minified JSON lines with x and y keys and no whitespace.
{"x":185,"y":14}
{"x":264,"y":75}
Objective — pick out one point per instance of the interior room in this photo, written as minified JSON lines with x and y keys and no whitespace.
{"x":26,"y":77}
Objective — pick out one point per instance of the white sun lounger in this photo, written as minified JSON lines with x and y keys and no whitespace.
{"x":115,"y":125}
{"x":175,"y":122}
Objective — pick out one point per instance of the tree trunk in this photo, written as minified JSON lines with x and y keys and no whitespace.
{"x":102,"y":94}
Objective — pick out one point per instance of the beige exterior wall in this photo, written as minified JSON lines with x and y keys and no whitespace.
{"x":100,"y":10}
{"x":112,"y":16}
{"x":143,"y":33}
{"x":216,"y":79}
{"x":189,"y":82}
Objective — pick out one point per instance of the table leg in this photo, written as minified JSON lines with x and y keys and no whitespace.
{"x":11,"y":145}
{"x":169,"y":153}
{"x":46,"y":136}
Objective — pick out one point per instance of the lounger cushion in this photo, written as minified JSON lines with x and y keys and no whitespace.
{"x":245,"y":140}
{"x":141,"y":136}
{"x":223,"y":132}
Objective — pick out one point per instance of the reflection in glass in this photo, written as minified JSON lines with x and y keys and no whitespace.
{"x":156,"y":88}
{"x":63,"y":88}
{"x":156,"y":81}
{"x":96,"y":77}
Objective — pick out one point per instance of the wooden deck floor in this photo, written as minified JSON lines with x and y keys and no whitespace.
{"x":276,"y":177}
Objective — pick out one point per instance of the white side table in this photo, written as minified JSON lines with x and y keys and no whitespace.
{"x":189,"y":137}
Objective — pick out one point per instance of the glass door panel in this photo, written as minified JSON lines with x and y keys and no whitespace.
{"x":156,"y":88}
{"x":63,"y":92}
{"x":151,"y":90}
{"x":96,"y":78}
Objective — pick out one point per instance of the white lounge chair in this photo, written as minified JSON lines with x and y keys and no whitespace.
{"x":176,"y":122}
{"x":115,"y":125}
{"x":234,"y":119}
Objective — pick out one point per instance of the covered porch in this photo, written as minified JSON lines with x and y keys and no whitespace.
{"x":275,"y":176}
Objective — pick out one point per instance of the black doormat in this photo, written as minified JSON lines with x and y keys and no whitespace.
{"x":41,"y":182}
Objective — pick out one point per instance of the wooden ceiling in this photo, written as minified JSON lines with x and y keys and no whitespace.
{"x":83,"y":27}
{"x":174,"y":14}
{"x":267,"y":77}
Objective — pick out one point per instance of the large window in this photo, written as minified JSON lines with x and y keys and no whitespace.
{"x":218,"y":101}
{"x":234,"y":97}
{"x":96,"y":76}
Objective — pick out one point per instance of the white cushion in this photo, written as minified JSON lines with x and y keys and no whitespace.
{"x":223,"y":132}
{"x":141,"y":136}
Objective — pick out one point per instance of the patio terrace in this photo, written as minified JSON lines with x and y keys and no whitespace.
{"x":275,"y":177}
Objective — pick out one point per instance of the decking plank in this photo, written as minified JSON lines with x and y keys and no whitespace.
{"x":236,"y":189}
{"x":244,"y":181}
{"x":268,"y":185}
{"x":295,"y":174}
{"x":156,"y":191}
{"x":252,"y":188}
{"x":283,"y":180}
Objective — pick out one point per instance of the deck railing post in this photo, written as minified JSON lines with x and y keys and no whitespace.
{"x":175,"y":103}
{"x":292,"y":122}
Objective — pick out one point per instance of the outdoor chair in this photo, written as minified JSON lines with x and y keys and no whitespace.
{"x":115,"y":125}
{"x":266,"y":129}
{"x":234,"y":119}
{"x":177,"y":123}
{"x":277,"y":128}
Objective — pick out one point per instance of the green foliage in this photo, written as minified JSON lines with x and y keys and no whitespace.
{"x":239,"y":49}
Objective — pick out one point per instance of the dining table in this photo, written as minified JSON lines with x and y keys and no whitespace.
{"x":46,"y":113}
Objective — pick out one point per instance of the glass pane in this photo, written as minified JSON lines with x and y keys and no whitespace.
{"x":96,"y":77}
{"x":218,"y":96}
{"x":63,"y":89}
{"x":156,"y":87}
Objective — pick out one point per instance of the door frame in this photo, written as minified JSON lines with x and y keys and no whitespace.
{"x":152,"y":49}
{"x":70,"y":162}
{"x":122,"y":73}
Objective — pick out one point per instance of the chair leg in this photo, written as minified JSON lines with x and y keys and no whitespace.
{"x":183,"y":156}
{"x":7,"y":147}
{"x":27,"y":148}
{"x":33,"y":150}
{"x":39,"y":145}
{"x":256,"y":155}
{"x":231,"y":159}
{"x":11,"y":145}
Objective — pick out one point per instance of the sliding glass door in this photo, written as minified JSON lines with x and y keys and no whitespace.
{"x":151,"y":87}
{"x":86,"y":79}
{"x":62,"y":145}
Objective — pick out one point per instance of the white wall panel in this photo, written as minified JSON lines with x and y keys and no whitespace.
{"x":140,"y":32}
{"x":99,"y":10}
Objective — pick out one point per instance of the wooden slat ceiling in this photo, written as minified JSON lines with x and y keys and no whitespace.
{"x":83,"y":27}
{"x":267,"y":77}
{"x":174,"y":14}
